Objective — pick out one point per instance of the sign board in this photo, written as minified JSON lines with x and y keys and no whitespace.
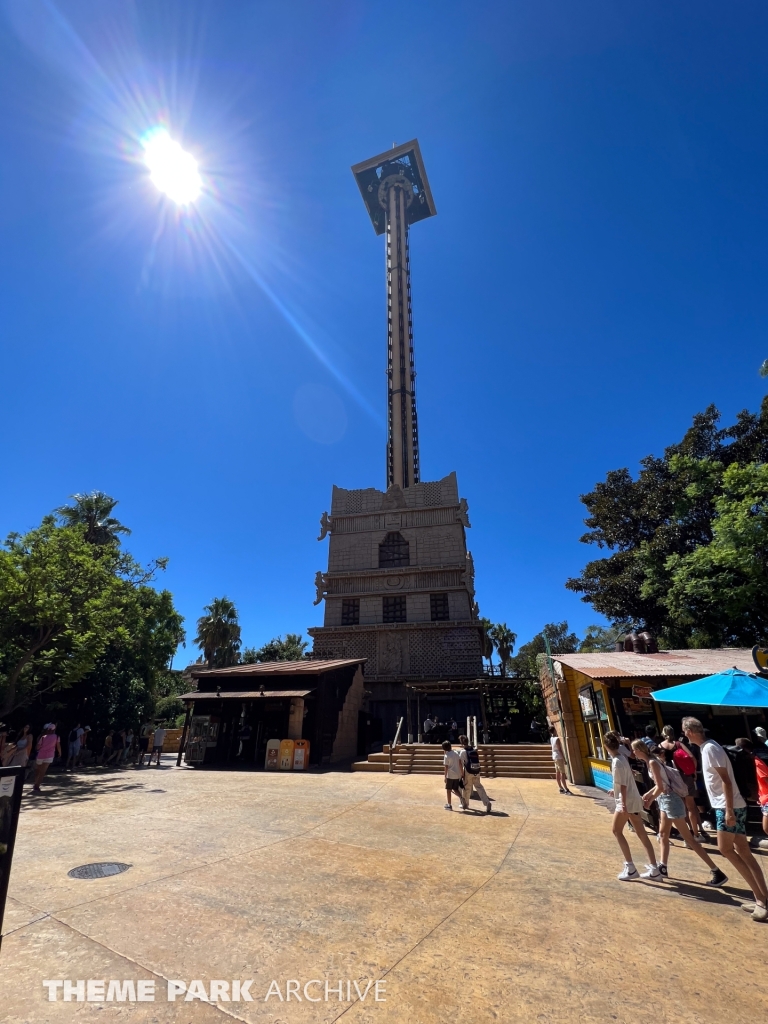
{"x":300,"y":755}
{"x":11,"y":784}
{"x":273,"y":755}
{"x":587,"y":703}
{"x":286,"y":755}
{"x":637,"y":705}
{"x":642,"y":691}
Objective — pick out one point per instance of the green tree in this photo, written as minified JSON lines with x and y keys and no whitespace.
{"x":504,"y":641}
{"x":525,"y":664}
{"x":716,"y":595}
{"x":94,"y":512}
{"x":277,"y":649}
{"x":487,"y":641}
{"x":602,"y":638}
{"x":62,"y":598}
{"x":668,"y":510}
{"x":218,"y":634}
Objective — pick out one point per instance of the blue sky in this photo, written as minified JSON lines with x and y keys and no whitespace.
{"x":595,"y":275}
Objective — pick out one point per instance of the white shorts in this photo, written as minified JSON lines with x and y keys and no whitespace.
{"x":45,"y":760}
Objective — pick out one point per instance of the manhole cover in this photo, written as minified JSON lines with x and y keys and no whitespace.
{"x":98,"y":870}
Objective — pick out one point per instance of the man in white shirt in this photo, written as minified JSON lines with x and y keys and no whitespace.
{"x":730,"y":814}
{"x":454,"y":775}
{"x":157,"y":745}
{"x":629,"y":804}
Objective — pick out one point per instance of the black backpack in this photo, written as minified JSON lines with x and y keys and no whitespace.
{"x":743,"y":764}
{"x":73,"y":736}
{"x":473,"y":761}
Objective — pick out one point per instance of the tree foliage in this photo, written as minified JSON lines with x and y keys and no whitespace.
{"x":277,"y":649}
{"x":504,"y":641}
{"x":94,"y":512}
{"x":63,"y":599}
{"x":218,"y":634}
{"x":656,"y":521}
{"x":525,"y":664}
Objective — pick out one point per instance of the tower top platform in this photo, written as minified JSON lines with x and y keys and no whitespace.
{"x":404,"y":165}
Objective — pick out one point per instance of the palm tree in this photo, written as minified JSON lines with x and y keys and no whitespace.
{"x":218,"y":633}
{"x":504,"y":640}
{"x":764,"y":368}
{"x":93,"y":511}
{"x":486,"y":641}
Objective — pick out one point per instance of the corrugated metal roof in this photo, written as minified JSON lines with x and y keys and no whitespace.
{"x":626,"y":665}
{"x":243,"y":694}
{"x":309,"y":666}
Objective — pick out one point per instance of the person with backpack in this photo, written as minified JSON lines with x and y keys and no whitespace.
{"x":470,"y":759}
{"x":730,"y":809}
{"x":668,"y":791}
{"x":680,"y":757}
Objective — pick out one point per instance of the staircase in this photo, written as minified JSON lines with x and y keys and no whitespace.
{"x":510,"y":761}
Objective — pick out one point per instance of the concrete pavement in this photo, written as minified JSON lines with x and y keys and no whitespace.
{"x":339,"y":877}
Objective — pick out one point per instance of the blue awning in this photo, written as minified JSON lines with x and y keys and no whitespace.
{"x":733,"y":688}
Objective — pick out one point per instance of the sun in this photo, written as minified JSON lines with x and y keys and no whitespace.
{"x":171,"y":169}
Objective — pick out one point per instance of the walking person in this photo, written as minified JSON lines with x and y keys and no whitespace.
{"x":144,"y":733}
{"x":628,"y":808}
{"x":73,"y":746}
{"x":428,"y":727}
{"x":48,"y":747}
{"x":454,"y":775}
{"x":558,"y":756}
{"x":106,"y":751}
{"x":118,"y":746}
{"x":23,"y":748}
{"x":157,"y":745}
{"x":470,"y":760}
{"x":128,"y":748}
{"x":730,"y":814}
{"x":761,"y":768}
{"x":672,"y":809}
{"x":678,"y":756}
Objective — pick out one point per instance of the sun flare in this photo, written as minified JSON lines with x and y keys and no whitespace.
{"x":171,"y":169}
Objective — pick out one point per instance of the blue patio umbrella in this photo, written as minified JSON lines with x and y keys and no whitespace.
{"x":732,"y":688}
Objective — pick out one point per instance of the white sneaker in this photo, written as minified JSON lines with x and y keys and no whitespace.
{"x":651,"y":871}
{"x":629,"y":874}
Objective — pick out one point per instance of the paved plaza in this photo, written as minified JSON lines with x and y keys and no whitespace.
{"x":343,"y":877}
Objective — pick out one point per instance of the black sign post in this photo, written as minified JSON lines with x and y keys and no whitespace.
{"x":11,"y":785}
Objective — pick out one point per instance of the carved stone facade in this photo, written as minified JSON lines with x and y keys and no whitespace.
{"x":412,"y":620}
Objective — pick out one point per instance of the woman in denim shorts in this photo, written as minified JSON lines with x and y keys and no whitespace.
{"x":672,"y":811}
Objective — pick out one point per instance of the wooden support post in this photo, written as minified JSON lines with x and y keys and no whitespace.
{"x":183,"y":740}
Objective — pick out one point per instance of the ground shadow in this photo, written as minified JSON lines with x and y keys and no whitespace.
{"x":64,"y":789}
{"x":705,"y":894}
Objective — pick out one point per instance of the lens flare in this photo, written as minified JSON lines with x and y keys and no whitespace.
{"x":172,"y":170}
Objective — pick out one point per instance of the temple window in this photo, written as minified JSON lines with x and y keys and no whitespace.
{"x":394,"y":551}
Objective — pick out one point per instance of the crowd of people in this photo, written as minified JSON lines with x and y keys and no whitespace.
{"x":676,"y":768}
{"x":120,"y":747}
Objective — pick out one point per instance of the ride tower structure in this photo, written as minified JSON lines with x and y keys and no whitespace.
{"x":399,"y":587}
{"x":396,"y":193}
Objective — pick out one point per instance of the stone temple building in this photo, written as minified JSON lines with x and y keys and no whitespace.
{"x":399,"y":589}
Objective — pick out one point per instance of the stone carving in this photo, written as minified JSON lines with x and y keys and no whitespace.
{"x":321,"y":586}
{"x":463,"y":513}
{"x":394,"y":498}
{"x":468,"y":576}
{"x":326,"y":525}
{"x":393,"y":654}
